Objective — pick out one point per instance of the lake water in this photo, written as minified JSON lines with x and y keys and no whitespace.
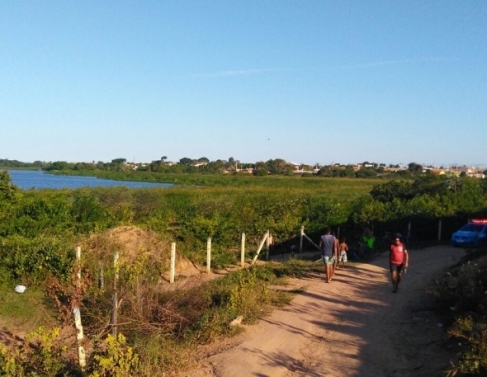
{"x":31,"y":179}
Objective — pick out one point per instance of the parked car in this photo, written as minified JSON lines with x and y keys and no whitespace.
{"x":474,"y":233}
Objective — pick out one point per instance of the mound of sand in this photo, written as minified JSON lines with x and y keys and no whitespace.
{"x":130,"y":242}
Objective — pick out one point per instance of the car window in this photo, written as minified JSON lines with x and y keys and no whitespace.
{"x":472,"y":227}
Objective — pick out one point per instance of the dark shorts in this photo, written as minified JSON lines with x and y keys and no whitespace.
{"x":396,"y":267}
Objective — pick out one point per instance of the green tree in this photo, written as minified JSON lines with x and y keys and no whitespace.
{"x":277,"y":166}
{"x":216,"y":166}
{"x":415,"y":168}
{"x":348,"y":172}
{"x":59,"y":165}
{"x":7,"y":190}
{"x":386,"y":192}
{"x":366,"y":173}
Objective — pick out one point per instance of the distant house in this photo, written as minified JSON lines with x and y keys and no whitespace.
{"x":438,"y":171}
{"x":296,"y":167}
{"x":478,"y":175}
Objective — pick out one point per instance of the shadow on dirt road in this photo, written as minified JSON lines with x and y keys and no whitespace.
{"x":352,"y":327}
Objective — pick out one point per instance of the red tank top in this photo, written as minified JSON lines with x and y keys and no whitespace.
{"x":396,"y":255}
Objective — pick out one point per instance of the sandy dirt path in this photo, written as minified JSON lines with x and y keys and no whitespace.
{"x":352,"y":327}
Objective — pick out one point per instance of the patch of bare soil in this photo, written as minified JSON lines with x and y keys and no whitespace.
{"x":130,"y":242}
{"x":352,"y":327}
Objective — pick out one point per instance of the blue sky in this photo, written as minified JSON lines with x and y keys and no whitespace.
{"x":307,"y":81}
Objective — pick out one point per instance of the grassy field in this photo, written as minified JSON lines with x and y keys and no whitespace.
{"x":22,"y":313}
{"x":231,"y":180}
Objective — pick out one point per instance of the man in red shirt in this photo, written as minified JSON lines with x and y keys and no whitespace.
{"x":399,"y":261}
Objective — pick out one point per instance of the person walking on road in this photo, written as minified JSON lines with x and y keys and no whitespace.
{"x":342,"y":252}
{"x":328,"y":252}
{"x":399,"y":261}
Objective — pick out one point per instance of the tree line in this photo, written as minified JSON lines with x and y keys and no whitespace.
{"x":203,"y":165}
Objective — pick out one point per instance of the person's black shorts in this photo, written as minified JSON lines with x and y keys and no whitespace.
{"x":396,"y":267}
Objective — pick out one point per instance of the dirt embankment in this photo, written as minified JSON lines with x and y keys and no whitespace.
{"x":353,"y":327}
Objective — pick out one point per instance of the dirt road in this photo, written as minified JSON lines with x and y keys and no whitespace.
{"x":352,"y":327}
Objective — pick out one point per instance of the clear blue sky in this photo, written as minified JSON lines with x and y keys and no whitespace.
{"x":307,"y":81}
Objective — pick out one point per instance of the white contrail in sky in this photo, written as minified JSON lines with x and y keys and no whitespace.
{"x":391,"y":62}
{"x":246,"y":72}
{"x":240,"y":72}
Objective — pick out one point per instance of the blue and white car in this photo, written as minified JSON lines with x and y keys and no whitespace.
{"x":472,"y":234}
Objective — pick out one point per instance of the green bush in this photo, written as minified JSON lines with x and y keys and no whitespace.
{"x":461,"y":294}
{"x":40,"y":354}
{"x":113,"y":358}
{"x":470,"y":330}
{"x":33,"y":260}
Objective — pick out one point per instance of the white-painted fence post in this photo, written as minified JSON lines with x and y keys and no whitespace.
{"x":267,"y":245}
{"x":208,"y":255}
{"x":172,"y":272}
{"x":79,"y":338}
{"x":78,"y":267}
{"x":311,"y":241}
{"x":242,"y":251}
{"x":77,"y":314}
{"x":260,"y":247}
{"x":301,"y":236}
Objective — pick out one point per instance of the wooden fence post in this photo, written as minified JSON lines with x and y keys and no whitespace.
{"x":138,"y":293}
{"x":208,"y":255}
{"x":115,"y":296}
{"x":439,"y":230}
{"x":242,"y":251}
{"x":101,"y":277}
{"x":172,"y":273}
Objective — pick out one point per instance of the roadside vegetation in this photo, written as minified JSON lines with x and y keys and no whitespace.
{"x":40,"y":228}
{"x":462,"y":303}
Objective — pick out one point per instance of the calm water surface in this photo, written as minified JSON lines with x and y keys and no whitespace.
{"x":29,"y":179}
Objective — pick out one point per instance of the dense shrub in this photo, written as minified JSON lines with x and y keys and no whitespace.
{"x":29,"y":260}
{"x":463,"y":304}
